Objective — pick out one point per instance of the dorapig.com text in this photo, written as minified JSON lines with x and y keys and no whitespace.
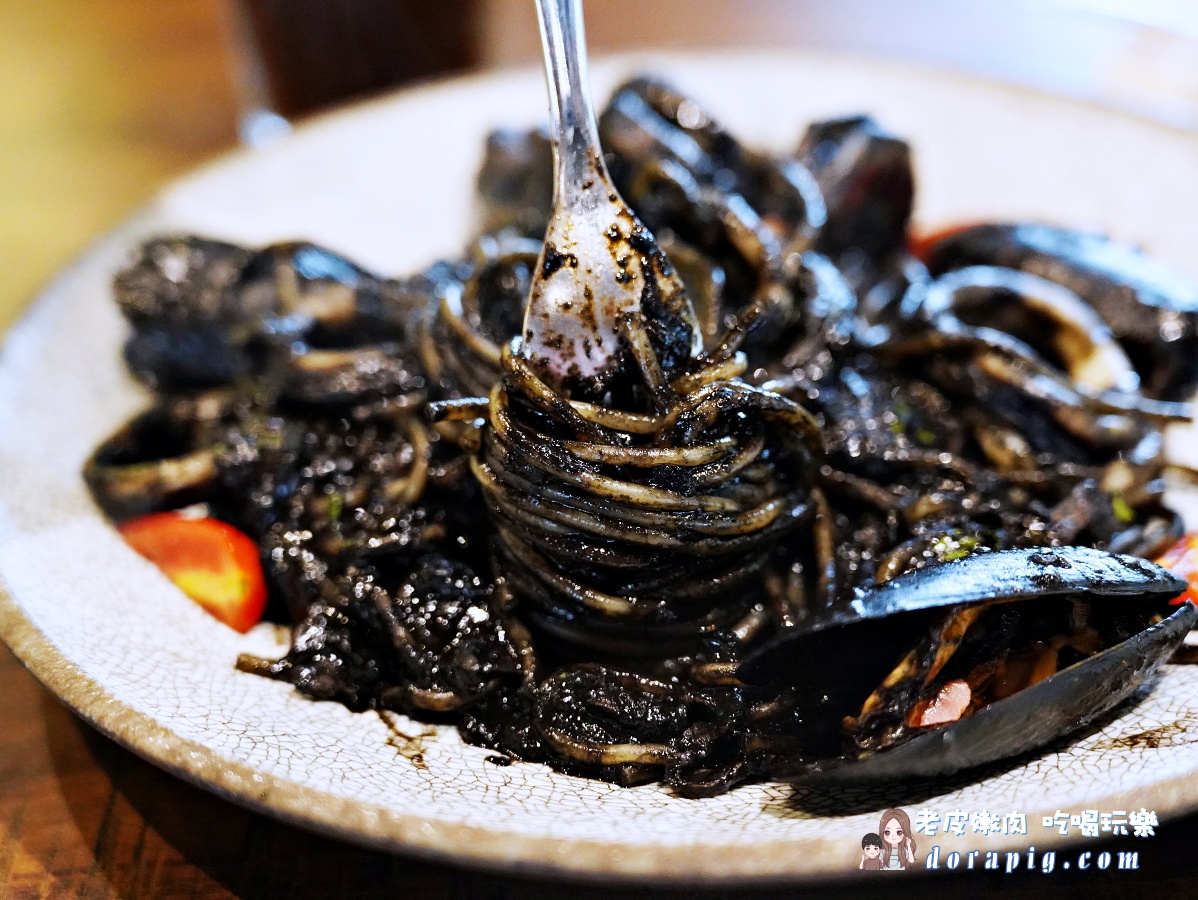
{"x":1028,"y":860}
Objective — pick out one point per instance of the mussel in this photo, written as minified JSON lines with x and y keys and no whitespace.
{"x":969,"y":662}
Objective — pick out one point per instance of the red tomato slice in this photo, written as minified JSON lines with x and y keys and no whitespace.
{"x":210,"y":561}
{"x":1182,"y":560}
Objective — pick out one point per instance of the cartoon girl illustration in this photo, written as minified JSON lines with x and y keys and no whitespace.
{"x":898,"y":847}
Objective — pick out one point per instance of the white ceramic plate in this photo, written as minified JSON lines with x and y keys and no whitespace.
{"x":391,"y":184}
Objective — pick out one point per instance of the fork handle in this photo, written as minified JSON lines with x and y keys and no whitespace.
{"x":575,"y":135}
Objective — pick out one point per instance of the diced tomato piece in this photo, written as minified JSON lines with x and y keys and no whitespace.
{"x":210,"y":561}
{"x":1182,"y":560}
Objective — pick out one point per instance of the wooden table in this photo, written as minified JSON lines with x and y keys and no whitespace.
{"x":104,"y":101}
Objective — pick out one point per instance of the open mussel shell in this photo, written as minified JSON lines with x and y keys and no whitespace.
{"x":1036,"y":716}
{"x":1127,"y":603}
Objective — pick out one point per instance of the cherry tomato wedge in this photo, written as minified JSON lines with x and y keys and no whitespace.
{"x":210,"y":561}
{"x":1182,"y":560}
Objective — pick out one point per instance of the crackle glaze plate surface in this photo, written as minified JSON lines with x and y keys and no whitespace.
{"x":390,"y":184}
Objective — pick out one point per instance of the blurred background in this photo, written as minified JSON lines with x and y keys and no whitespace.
{"x":106,"y":100}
